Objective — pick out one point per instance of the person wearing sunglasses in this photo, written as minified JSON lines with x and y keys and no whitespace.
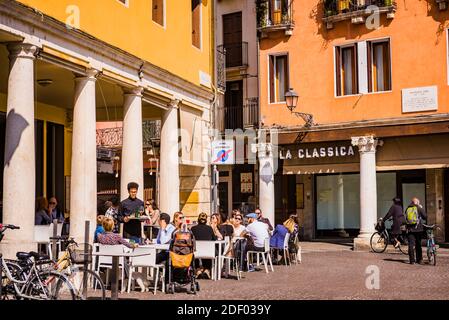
{"x":178,"y":220}
{"x":56,"y":213}
{"x":239,"y":228}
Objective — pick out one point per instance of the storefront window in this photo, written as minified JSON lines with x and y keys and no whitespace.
{"x":338,"y":201}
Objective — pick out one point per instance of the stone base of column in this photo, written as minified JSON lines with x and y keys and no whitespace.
{"x":9,"y":248}
{"x":362,"y":243}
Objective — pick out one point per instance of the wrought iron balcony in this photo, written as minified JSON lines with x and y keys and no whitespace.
{"x":239,"y":117}
{"x":275,"y":15}
{"x":221,"y":68}
{"x":355,"y":10}
{"x":113,"y":137}
{"x":236,"y":54}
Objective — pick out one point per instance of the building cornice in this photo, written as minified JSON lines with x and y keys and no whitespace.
{"x":368,"y":123}
{"x":35,"y":22}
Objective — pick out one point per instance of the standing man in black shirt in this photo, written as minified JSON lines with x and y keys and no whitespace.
{"x":132,"y":227}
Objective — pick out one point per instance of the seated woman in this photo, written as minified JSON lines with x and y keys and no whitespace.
{"x":226,"y":228}
{"x":43,"y":215}
{"x":110,"y":238}
{"x":239,"y":228}
{"x":289,"y":226}
{"x":203,"y":232}
{"x":215,"y":221}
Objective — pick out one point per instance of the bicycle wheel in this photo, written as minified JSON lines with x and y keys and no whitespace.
{"x":16,"y":272}
{"x":378,"y":242}
{"x":403,"y":247}
{"x":50,"y":285}
{"x":95,"y":289}
{"x":432,"y":256}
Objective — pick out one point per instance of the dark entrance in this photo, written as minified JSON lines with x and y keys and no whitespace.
{"x":232,"y":39}
{"x":446,"y":204}
{"x":234,"y":105}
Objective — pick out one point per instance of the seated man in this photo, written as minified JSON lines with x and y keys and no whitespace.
{"x":258,"y":232}
{"x":164,"y":237}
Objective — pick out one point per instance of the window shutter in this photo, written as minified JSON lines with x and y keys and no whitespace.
{"x":370,"y":65}
{"x":271,"y":77}
{"x":337,"y":71}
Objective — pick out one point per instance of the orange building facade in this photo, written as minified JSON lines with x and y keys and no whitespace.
{"x":375,"y":77}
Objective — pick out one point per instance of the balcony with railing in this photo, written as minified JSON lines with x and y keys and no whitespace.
{"x":239,"y":117}
{"x":221,"y":69}
{"x":112,"y":138}
{"x":275,"y":15}
{"x":356,"y":10}
{"x":236,"y":54}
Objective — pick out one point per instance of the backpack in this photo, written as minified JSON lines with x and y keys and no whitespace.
{"x":411,"y":215}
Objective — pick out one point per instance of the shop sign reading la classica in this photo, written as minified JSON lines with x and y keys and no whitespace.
{"x":330,"y":152}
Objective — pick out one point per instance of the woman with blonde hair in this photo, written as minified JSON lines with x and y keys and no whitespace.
{"x":289,"y":226}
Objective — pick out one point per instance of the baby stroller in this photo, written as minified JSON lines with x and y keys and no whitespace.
{"x":181,"y":266}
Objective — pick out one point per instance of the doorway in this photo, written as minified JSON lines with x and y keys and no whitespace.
{"x":446,"y":204}
{"x":412,"y":184}
{"x":225,"y":194}
{"x":234,"y":105}
{"x":232,"y":39}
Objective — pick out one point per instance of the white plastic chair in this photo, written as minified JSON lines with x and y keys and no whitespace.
{"x":106,"y":262}
{"x":284,"y":248}
{"x":230,"y":258}
{"x":264,"y":254}
{"x":205,"y":250}
{"x":146,"y":261}
{"x":42,"y":236}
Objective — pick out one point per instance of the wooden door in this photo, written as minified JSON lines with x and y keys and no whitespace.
{"x":232,"y":39}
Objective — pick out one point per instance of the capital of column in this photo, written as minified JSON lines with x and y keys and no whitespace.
{"x":264,"y":150}
{"x":366,"y":144}
{"x":91,"y":75}
{"x":137,"y":91}
{"x":174,"y":104}
{"x":22,"y":50}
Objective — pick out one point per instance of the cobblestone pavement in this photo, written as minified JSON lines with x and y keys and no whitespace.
{"x":332,"y":273}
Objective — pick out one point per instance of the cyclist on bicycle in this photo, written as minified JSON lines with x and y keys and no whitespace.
{"x":396,"y":213}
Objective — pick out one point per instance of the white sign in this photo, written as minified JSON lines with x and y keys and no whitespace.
{"x":223,"y":152}
{"x":420,"y":99}
{"x":205,"y":79}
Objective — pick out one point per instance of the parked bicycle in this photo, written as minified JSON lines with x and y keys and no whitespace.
{"x":27,"y":279}
{"x":382,"y":238}
{"x":431,"y":245}
{"x":73,"y":262}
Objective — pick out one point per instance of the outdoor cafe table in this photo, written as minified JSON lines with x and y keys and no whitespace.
{"x":115,"y":264}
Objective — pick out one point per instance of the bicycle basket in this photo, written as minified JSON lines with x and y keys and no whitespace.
{"x":380,"y":226}
{"x":81,"y":253}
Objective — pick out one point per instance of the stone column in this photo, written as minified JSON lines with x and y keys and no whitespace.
{"x":341,"y":207}
{"x":19,"y":180}
{"x":368,"y":190}
{"x":266,"y":180}
{"x":83,"y":189}
{"x":169,"y":157}
{"x":132,"y":149}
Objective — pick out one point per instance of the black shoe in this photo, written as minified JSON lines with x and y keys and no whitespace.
{"x":412,"y":262}
{"x":420,"y":262}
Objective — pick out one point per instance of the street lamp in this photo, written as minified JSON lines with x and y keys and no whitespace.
{"x":291,"y":99}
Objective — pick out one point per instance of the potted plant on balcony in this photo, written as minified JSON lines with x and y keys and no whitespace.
{"x":262,"y":13}
{"x":330,"y":8}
